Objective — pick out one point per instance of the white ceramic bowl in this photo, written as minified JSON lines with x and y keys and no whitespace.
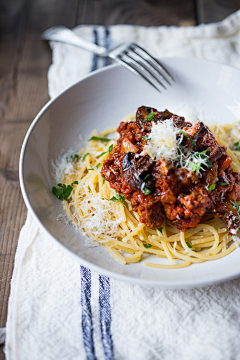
{"x":103,"y":99}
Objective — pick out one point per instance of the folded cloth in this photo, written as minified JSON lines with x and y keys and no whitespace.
{"x":61,"y":310}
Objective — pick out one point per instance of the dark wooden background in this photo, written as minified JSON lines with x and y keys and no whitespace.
{"x":24,"y":62}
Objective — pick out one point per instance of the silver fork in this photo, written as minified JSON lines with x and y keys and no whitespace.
{"x":132,"y":56}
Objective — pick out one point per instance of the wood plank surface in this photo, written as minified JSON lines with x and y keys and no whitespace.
{"x":215,"y":10}
{"x":136,"y":12}
{"x":24,"y":62}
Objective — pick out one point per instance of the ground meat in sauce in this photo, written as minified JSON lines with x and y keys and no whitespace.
{"x":159,"y":189}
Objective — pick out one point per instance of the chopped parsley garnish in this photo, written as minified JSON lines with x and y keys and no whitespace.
{"x":222,"y":183}
{"x":147,"y":245}
{"x":194,"y":166}
{"x":103,"y":180}
{"x":118,"y":197}
{"x":193,"y":142}
{"x":209,"y":188}
{"x":103,"y":153}
{"x":74,"y":182}
{"x":75,"y":157}
{"x":146,"y":138}
{"x":190,"y":246}
{"x":149,"y":117}
{"x":85,"y":155}
{"x":237,"y":145}
{"x":197,"y":160}
{"x":236,"y":206}
{"x":96,"y":138}
{"x":146,"y":177}
{"x":63,"y":191}
{"x":109,"y":150}
{"x":160,"y":229}
{"x":184,"y":134}
{"x":146,"y":191}
{"x":95,"y":167}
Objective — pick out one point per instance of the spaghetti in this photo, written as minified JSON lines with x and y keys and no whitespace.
{"x":107,"y":217}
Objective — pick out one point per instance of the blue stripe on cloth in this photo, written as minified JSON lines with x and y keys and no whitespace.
{"x":95,"y":57}
{"x":107,"y":45}
{"x":87,"y":324}
{"x":105,"y":316}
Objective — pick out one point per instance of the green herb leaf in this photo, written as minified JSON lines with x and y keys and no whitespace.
{"x":237,"y":145}
{"x":57,"y":192}
{"x":85,"y":155}
{"x":146,"y":138}
{"x":110,"y":148}
{"x":223,"y":183}
{"x":103,"y":180}
{"x":212,"y":187}
{"x":192,"y":166}
{"x":103,"y":153}
{"x":63,"y":193}
{"x":149,"y":117}
{"x":193,"y":142}
{"x":95,"y":167}
{"x":146,"y":177}
{"x":198,"y":159}
{"x":190,"y":246}
{"x":96,"y":138}
{"x":184,"y":134}
{"x":73,"y":157}
{"x":236,"y":206}
{"x":147,"y":246}
{"x":118,"y":197}
{"x":147,"y":191}
{"x":160,"y":229}
{"x":74,"y":182}
{"x":76,"y":156}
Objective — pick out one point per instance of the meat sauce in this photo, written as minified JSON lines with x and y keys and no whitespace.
{"x":160,"y":188}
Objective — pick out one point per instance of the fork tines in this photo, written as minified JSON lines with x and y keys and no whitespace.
{"x":138,"y":60}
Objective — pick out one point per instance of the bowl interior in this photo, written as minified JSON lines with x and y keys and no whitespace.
{"x":205,"y":90}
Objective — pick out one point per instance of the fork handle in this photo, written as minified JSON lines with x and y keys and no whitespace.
{"x":63,"y":34}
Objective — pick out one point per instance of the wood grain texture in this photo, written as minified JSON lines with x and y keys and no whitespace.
{"x":2,"y":355}
{"x":136,"y":12}
{"x":24,"y":97}
{"x":215,"y":10}
{"x":24,"y":62}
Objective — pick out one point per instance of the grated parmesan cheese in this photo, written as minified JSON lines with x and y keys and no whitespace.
{"x":63,"y":166}
{"x":163,"y":142}
{"x":96,"y":220}
{"x":236,"y":240}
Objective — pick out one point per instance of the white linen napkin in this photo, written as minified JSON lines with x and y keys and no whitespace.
{"x":61,"y":310}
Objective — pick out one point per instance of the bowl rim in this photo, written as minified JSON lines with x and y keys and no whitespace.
{"x":121,"y":277}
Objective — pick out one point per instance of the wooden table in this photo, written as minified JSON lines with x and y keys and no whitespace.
{"x":24,"y":62}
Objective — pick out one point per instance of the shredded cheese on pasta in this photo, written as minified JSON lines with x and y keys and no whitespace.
{"x":163,"y":143}
{"x":118,"y":228}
